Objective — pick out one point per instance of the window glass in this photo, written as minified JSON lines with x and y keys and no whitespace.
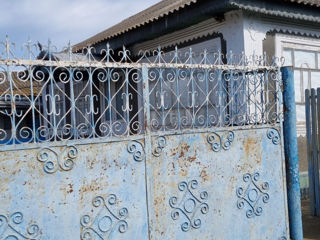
{"x":297,"y":85}
{"x":287,"y":57}
{"x":306,"y":80}
{"x":303,"y":79}
{"x":306,"y":83}
{"x":304,"y":59}
{"x":315,"y":79}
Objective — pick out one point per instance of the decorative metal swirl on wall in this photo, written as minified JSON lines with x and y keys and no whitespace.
{"x":189,"y":206}
{"x":274,"y":135}
{"x":13,"y":227}
{"x":160,"y":144}
{"x":106,"y":221}
{"x":219,"y":142}
{"x":253,"y":195}
{"x":54,"y":161}
{"x":137,"y":150}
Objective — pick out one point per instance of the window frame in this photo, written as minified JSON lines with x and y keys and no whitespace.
{"x":298,"y":43}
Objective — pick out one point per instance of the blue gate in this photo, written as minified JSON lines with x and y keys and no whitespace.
{"x":168,"y":146}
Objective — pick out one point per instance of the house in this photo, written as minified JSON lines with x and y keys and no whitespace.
{"x":160,"y":148}
{"x":283,"y":28}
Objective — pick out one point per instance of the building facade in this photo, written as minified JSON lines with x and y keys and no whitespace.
{"x":287,"y":30}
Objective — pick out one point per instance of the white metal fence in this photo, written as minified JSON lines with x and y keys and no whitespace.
{"x":54,"y":96}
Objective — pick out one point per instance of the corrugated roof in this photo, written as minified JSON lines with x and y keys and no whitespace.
{"x":20,"y":86}
{"x":163,"y":8}
{"x":277,"y":13}
{"x":307,"y":2}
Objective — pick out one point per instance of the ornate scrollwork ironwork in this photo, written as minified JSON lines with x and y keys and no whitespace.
{"x":137,"y":150}
{"x":253,"y":195}
{"x":106,"y":221}
{"x":160,"y":145}
{"x":70,"y":100}
{"x":189,"y":206}
{"x":13,"y":227}
{"x":54,"y":161}
{"x":219,"y":142}
{"x":274,"y":135}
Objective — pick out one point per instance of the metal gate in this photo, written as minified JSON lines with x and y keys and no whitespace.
{"x":312,"y":102}
{"x":163,"y":147}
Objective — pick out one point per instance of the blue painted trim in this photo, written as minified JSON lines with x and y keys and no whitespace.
{"x":291,"y":154}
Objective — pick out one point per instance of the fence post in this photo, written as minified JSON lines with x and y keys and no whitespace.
{"x":147,"y":140}
{"x":316,"y":160}
{"x":314,"y":149}
{"x":309,"y":152}
{"x":291,"y":154}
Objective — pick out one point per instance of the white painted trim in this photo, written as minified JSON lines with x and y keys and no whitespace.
{"x":256,"y":29}
{"x":299,"y":42}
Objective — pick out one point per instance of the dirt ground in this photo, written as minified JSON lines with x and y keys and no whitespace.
{"x":311,"y":225}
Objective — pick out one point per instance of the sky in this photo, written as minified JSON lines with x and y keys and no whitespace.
{"x":62,"y":20}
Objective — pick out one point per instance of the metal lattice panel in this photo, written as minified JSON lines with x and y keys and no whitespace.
{"x":169,"y":146}
{"x":64,"y":96}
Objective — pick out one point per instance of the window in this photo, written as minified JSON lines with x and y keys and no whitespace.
{"x":303,"y":53}
{"x":306,"y":69}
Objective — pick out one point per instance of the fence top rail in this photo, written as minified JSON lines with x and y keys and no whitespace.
{"x":105,"y":56}
{"x":52,"y":97}
{"x":96,"y":64}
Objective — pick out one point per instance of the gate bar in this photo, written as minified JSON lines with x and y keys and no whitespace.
{"x":315,"y":144}
{"x":309,"y":152}
{"x":316,"y":160}
{"x":291,"y":154}
{"x":147,"y":141}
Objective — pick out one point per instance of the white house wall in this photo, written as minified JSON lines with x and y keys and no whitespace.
{"x":232,"y":32}
{"x":244,"y":33}
{"x":250,"y":34}
{"x":291,"y":41}
{"x":285,"y":34}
